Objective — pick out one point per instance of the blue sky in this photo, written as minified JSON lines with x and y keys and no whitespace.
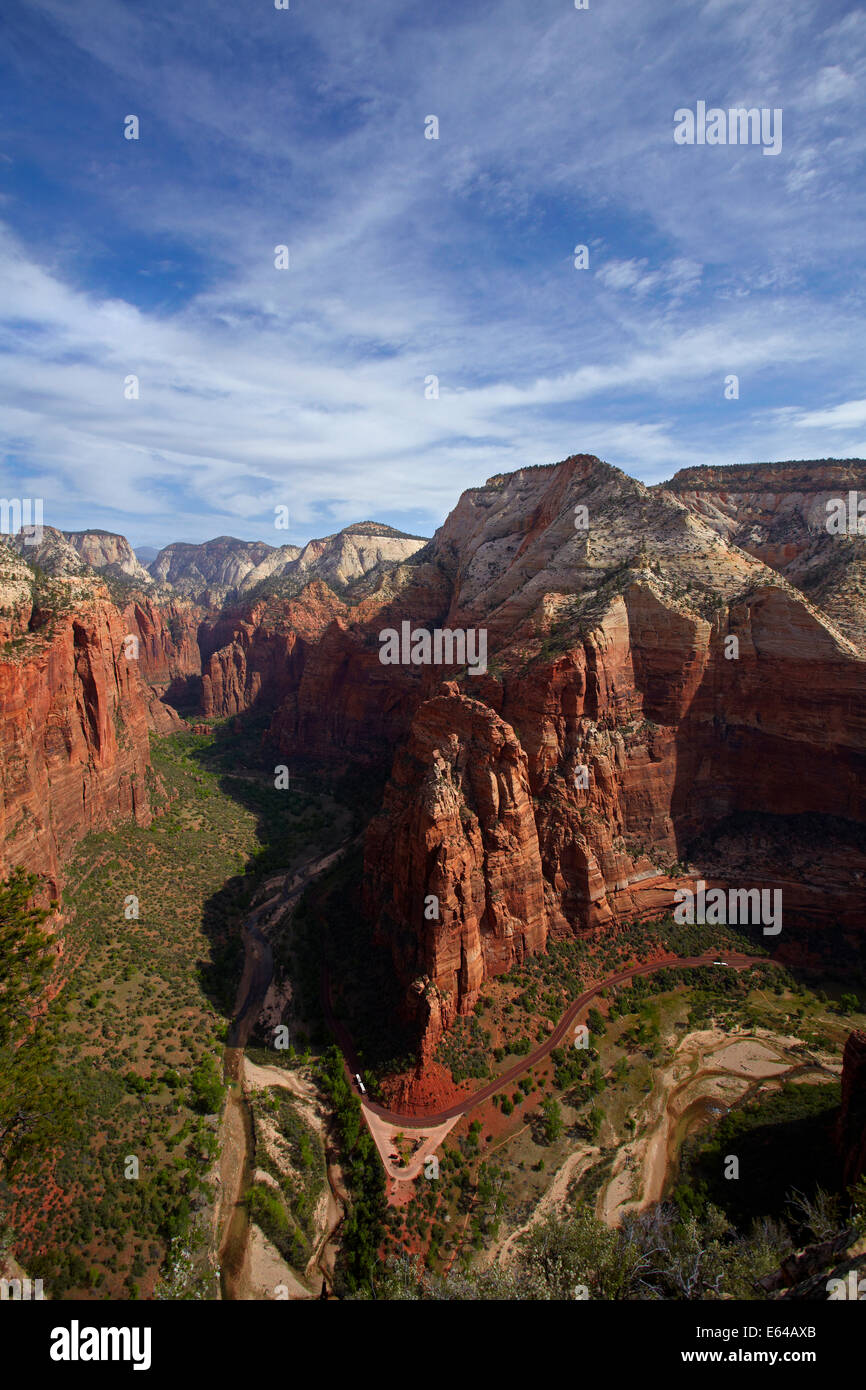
{"x":412,"y":257}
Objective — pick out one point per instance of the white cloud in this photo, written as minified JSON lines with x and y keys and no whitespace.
{"x":412,"y":257}
{"x":833,"y":84}
{"x":849,"y":415}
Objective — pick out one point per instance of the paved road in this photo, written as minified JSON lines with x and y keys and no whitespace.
{"x":462,"y":1107}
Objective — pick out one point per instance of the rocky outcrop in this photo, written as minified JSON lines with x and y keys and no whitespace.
{"x":47,"y":548}
{"x":74,"y":753}
{"x":109,"y":553}
{"x":851,"y":1128}
{"x":658,"y":682}
{"x":340,"y":559}
{"x":780,"y":512}
{"x":214,"y":570}
{"x":453,"y":868}
{"x":70,"y":553}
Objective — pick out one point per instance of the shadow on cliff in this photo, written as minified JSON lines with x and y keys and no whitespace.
{"x":320,"y":810}
{"x":761,"y":796}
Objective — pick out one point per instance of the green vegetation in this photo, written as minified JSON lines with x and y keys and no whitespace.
{"x":782,"y":1141}
{"x":553,"y":1124}
{"x":363,"y":1227}
{"x":25,"y":953}
{"x":657,"y":1254}
{"x":126,"y":1062}
{"x":465,"y":1050}
{"x":296,"y":1162}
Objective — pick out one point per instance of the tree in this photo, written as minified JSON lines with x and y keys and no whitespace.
{"x":553,"y":1125}
{"x":596,"y":1022}
{"x":23,"y":950}
{"x":206,"y":1087}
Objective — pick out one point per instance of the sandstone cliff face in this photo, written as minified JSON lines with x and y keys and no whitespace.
{"x":210,"y":572}
{"x":74,"y":751}
{"x":169,"y":656}
{"x":851,"y":1128}
{"x":109,"y":553}
{"x":453,"y":867}
{"x":611,"y":651}
{"x":259,"y":659}
{"x":779,"y":513}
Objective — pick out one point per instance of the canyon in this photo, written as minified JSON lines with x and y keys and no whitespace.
{"x":695,"y":647}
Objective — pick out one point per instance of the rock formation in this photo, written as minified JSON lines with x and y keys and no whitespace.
{"x":673,"y":674}
{"x":453,"y":866}
{"x":611,"y":654}
{"x":74,"y":754}
{"x":213,"y":570}
{"x":779,"y":512}
{"x":168,"y":652}
{"x":109,"y":553}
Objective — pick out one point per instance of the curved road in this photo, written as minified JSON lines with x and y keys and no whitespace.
{"x":735,"y":960}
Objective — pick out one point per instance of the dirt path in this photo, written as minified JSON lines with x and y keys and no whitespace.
{"x":235,"y":1175}
{"x":238,"y":1144}
{"x":553,"y":1200}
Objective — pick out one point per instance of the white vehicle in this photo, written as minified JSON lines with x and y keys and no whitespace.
{"x":720,"y":962}
{"x":361,"y":1087}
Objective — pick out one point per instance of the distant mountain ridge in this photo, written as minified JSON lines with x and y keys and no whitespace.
{"x":210,"y":571}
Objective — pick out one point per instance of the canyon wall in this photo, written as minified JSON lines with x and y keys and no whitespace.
{"x":679,"y":730}
{"x":663,"y":664}
{"x":74,"y":716}
{"x":169,"y":654}
{"x":641,"y":642}
{"x":454,"y":857}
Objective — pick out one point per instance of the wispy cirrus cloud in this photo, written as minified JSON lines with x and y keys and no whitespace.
{"x":413,"y":258}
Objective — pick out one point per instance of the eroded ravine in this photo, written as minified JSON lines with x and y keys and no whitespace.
{"x":238,"y":1156}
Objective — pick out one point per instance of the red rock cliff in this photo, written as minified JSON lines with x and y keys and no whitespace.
{"x":453,"y":869}
{"x":74,"y":753}
{"x":692,"y":683}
